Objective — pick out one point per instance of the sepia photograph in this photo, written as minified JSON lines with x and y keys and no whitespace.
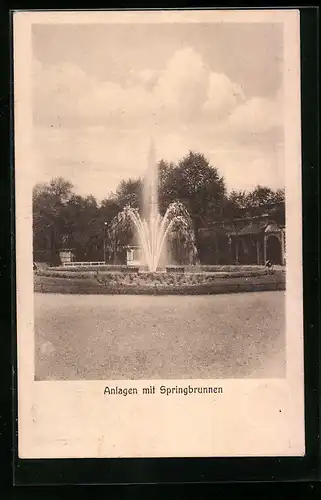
{"x":160,"y":201}
{"x":156,"y":199}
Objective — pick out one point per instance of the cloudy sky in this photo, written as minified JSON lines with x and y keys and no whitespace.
{"x":102,"y":91}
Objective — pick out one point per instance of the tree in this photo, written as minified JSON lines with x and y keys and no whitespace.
{"x":253,"y":201}
{"x":63,"y":219}
{"x":109,"y":208}
{"x":263,"y":196}
{"x":48,"y":203}
{"x":239,"y":198}
{"x":196,"y":184}
{"x":81,"y":227}
{"x":129,"y":192}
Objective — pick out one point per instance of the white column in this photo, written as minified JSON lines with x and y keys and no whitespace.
{"x":230,"y":248}
{"x":283,"y":246}
{"x":264,"y":248}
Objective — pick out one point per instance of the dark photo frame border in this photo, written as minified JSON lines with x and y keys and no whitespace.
{"x":178,"y":470}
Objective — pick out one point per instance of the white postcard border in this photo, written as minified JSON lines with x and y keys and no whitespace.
{"x":74,"y":419}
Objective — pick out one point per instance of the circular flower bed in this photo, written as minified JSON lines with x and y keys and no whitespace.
{"x":97,"y":281}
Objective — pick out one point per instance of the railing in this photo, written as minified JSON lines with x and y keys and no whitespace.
{"x":75,"y":264}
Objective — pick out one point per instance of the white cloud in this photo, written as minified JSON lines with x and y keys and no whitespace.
{"x":96,"y":159}
{"x":104,"y":100}
{"x":256,"y":116}
{"x":184,"y":91}
{"x":144,"y":77}
{"x":223,"y":95}
{"x":181,"y":89}
{"x":57,"y":90}
{"x":244,"y":168}
{"x":179,"y":92}
{"x":108,"y":125}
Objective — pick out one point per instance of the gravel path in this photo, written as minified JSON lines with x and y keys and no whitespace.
{"x":146,"y":337}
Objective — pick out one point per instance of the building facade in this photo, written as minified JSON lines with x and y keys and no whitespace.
{"x":250,"y":239}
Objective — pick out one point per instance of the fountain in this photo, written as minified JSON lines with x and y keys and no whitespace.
{"x":153,"y":230}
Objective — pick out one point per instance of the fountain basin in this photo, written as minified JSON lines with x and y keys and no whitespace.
{"x":175,"y":269}
{"x":60,"y":280}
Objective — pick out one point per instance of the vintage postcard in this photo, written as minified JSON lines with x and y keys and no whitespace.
{"x":158,"y":233}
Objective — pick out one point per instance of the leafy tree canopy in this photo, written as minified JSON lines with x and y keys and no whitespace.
{"x":196,"y":184}
{"x":62,"y":218}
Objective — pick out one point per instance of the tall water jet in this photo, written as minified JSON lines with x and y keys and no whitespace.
{"x":153,"y":229}
{"x":150,"y":203}
{"x":150,"y":185}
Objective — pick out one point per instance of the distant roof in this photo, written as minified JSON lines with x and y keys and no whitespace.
{"x":253,"y":228}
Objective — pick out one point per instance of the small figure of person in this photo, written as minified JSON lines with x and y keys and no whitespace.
{"x":269,"y":265}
